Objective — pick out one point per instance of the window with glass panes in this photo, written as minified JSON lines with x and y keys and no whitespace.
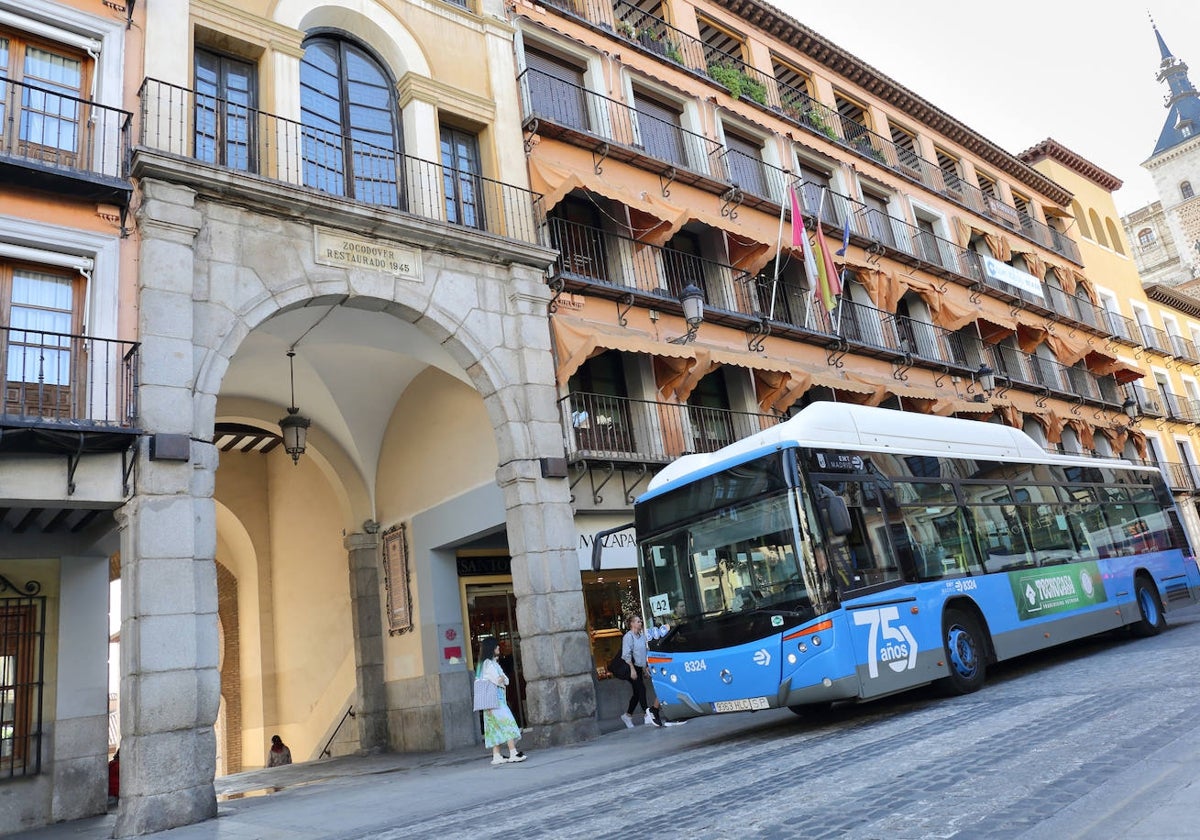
{"x":225,"y":105}
{"x":42,"y":110}
{"x":22,"y":644}
{"x":349,"y":137}
{"x":41,"y":355}
{"x":461,"y":181}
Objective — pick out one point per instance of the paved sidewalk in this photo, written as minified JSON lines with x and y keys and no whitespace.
{"x":329,"y":798}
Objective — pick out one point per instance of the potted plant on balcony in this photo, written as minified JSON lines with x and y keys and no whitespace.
{"x":862,"y":143}
{"x":815,"y":119}
{"x":735,"y":80}
{"x":625,"y":28}
{"x":652,"y":40}
{"x":673,"y":52}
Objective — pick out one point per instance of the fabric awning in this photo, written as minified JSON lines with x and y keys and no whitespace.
{"x":655,"y":221}
{"x":576,"y":341}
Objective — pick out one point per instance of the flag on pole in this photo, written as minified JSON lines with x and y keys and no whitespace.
{"x":841,"y":252}
{"x":831,"y":285}
{"x":800,"y":239}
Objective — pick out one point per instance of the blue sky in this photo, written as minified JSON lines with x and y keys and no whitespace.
{"x":1080,"y":72}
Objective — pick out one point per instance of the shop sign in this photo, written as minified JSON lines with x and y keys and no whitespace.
{"x":620,"y":549}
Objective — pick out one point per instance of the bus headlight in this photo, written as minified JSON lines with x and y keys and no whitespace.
{"x":791,"y":659}
{"x":803,"y":647}
{"x":816,"y":640}
{"x":674,"y":678}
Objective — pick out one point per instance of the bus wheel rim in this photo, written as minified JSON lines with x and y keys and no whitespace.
{"x":1149,"y":607}
{"x":962,"y":652}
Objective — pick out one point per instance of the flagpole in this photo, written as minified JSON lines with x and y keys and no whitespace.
{"x":778,"y":253}
{"x":816,"y":222}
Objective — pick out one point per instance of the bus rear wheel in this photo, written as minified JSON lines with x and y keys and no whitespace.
{"x":966,"y":652}
{"x":1152,"y":620}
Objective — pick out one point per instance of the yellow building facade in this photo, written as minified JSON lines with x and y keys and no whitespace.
{"x":1155,"y":327}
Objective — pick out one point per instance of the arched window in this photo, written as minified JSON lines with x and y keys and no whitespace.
{"x":349,"y":118}
{"x":1146,"y":237}
{"x":1077,"y":212}
{"x":1097,"y":228}
{"x":1113,"y":236}
{"x":1185,"y":190}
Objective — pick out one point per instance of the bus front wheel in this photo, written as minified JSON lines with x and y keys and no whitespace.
{"x":1152,"y":620}
{"x":966,"y":652}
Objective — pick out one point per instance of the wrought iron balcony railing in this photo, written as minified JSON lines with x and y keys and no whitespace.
{"x":222,"y":134}
{"x":1038,"y":371}
{"x":1180,"y":477}
{"x":594,"y":256}
{"x":601,"y":427}
{"x":646,"y":140}
{"x":1179,"y":407}
{"x":1155,"y":339}
{"x":67,"y":380}
{"x":59,"y":135}
{"x":1120,"y":327}
{"x":1146,"y":399}
{"x":1182,"y":348}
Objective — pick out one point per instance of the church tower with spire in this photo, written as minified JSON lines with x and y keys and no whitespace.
{"x":1166,"y":234}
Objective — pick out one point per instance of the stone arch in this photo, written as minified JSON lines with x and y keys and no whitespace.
{"x":488,"y":367}
{"x":375,"y":25}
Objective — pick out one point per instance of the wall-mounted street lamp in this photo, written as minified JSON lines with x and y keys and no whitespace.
{"x":985,"y":377}
{"x":692,"y":301}
{"x":1130,"y":409}
{"x":294,"y":427}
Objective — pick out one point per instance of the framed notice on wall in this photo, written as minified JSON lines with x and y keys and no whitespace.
{"x":395,"y":578}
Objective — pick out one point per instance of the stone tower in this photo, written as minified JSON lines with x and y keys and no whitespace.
{"x":1166,"y":233}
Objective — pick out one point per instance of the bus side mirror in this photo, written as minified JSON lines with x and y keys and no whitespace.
{"x":598,"y":542}
{"x":836,"y":515}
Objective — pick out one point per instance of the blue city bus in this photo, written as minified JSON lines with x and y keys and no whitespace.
{"x":850,"y":552}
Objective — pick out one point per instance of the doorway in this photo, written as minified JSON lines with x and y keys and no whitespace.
{"x":491,"y":608}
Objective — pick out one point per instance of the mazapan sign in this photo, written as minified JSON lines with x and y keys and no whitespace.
{"x":338,"y":249}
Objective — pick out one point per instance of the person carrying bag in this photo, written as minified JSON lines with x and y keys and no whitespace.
{"x":499,"y":725}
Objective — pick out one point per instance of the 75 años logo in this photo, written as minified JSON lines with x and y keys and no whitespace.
{"x":885,"y":643}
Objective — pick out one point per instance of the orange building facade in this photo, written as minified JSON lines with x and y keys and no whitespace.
{"x":669,"y":140}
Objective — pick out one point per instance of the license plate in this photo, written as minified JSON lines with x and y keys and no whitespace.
{"x":747,"y":705}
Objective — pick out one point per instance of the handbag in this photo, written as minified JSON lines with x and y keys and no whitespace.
{"x":486,"y":695}
{"x":618,"y":667}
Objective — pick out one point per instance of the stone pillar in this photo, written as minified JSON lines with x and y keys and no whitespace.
{"x":555,"y":653}
{"x":555,"y":650}
{"x":371,"y":709}
{"x":170,"y":686}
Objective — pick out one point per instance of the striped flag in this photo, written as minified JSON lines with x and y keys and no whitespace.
{"x":830,"y":283}
{"x":800,"y":239}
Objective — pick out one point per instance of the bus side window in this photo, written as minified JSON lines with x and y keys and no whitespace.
{"x":999,"y":535}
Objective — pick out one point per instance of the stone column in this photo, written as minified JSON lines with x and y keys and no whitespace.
{"x":556,"y":654}
{"x":170,"y":686}
{"x":371,"y":709}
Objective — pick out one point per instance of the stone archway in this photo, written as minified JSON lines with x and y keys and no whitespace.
{"x":213,"y":271}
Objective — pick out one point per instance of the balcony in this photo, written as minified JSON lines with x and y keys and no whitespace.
{"x":1155,"y":339}
{"x":283,"y":151}
{"x":1182,"y":348}
{"x":597,"y":427}
{"x":556,"y":108}
{"x":1148,"y":402}
{"x":598,"y":260}
{"x":1179,"y":408}
{"x":66,"y":393}
{"x":1181,"y":478}
{"x":1120,"y":327}
{"x":62,"y":144}
{"x":1036,"y":371}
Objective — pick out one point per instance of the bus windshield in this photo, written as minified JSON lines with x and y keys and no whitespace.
{"x":737,"y":570}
